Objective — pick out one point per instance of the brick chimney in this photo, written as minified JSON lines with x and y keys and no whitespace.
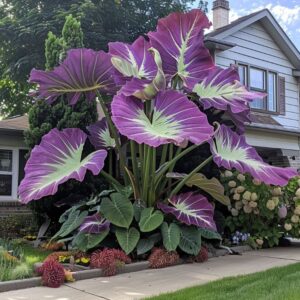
{"x":220,"y":13}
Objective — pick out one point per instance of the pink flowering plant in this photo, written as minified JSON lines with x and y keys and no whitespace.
{"x":162,"y":97}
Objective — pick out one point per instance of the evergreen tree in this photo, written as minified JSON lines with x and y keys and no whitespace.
{"x":43,"y":117}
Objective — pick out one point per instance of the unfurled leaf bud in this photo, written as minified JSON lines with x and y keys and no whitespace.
{"x":282,"y":212}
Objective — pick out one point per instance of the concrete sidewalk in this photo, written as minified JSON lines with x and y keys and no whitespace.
{"x":152,"y":282}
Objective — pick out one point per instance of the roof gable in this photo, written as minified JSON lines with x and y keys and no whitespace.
{"x":271,"y":26}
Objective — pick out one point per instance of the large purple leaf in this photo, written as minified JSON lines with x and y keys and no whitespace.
{"x":221,"y":89}
{"x":175,"y":119}
{"x":191,"y":209}
{"x":56,"y":160}
{"x":230,"y":150}
{"x":84,"y":71}
{"x":94,"y":224}
{"x":133,"y":60}
{"x":179,"y":40}
{"x":100,"y":136}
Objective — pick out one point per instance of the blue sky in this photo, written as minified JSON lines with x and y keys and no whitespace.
{"x":287,"y":13}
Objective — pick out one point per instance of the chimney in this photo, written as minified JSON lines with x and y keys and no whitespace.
{"x":220,"y":13}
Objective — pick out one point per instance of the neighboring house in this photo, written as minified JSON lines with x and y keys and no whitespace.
{"x":269,"y":62}
{"x":12,"y":162}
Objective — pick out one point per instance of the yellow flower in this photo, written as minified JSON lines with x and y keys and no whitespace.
{"x":253,"y":204}
{"x":85,"y":260}
{"x":287,"y":226}
{"x":276,"y":191}
{"x":256,"y":182}
{"x":295,"y":219}
{"x":247,"y":195}
{"x":232,"y":183}
{"x":254,"y":196}
{"x":270,"y":204}
{"x":234,"y":212}
{"x":247,"y":209}
{"x":241,"y":177}
{"x":236,"y":197}
{"x":298,"y":193}
{"x":276,"y":200}
{"x":238,"y":205}
{"x":297,"y":210}
{"x":259,"y":242}
{"x":228,"y":173}
{"x":240,"y":189}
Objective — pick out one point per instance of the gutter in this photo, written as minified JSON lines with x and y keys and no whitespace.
{"x":214,"y":43}
{"x":273,"y":129}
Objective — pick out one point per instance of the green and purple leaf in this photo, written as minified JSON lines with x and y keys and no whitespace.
{"x":100,"y":136}
{"x":94,"y":224}
{"x":175,"y":119}
{"x":221,"y":89}
{"x":179,"y":40}
{"x":230,"y":150}
{"x":84,"y":71}
{"x":132,"y":61}
{"x":191,"y":209}
{"x":146,"y":89}
{"x":55,"y":160}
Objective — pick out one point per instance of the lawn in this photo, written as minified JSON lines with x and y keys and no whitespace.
{"x":12,"y":268}
{"x":275,"y":284}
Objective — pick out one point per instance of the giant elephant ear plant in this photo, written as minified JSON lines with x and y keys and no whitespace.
{"x":159,"y":96}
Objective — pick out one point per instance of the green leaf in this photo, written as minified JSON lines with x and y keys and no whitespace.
{"x":118,"y":210}
{"x":171,"y":236}
{"x":144,"y":245}
{"x":74,"y":220}
{"x":66,"y":214}
{"x":190,"y":240}
{"x":209,"y":234}
{"x":211,"y":186}
{"x":127,"y":239}
{"x":85,"y":241}
{"x":150,"y":219}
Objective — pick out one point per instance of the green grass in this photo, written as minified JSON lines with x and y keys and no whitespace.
{"x":275,"y":284}
{"x":33,"y":255}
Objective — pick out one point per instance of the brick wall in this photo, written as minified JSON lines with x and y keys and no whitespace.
{"x":13,"y":208}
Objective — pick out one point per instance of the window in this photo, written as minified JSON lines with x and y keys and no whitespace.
{"x":260,"y":80}
{"x":9,"y":160}
{"x":6,"y":172}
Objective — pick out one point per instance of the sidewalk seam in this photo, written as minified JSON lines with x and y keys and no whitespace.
{"x":85,"y":292}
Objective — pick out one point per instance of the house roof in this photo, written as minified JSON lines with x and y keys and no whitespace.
{"x":271,"y":26}
{"x":19,"y":123}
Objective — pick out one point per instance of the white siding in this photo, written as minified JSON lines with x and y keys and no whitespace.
{"x":256,"y":47}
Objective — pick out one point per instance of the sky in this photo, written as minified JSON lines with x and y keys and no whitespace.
{"x":286,"y":12}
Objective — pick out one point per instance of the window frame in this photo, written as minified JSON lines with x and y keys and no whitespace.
{"x":267,"y":71}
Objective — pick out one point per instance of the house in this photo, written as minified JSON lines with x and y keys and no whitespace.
{"x":12,"y":163}
{"x":269,"y":62}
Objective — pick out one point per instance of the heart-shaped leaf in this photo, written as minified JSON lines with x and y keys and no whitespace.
{"x":118,"y":210}
{"x":150,"y":219}
{"x":144,"y":245}
{"x":171,"y":236}
{"x":211,"y":186}
{"x":127,"y":239}
{"x":74,"y":221}
{"x":85,"y":241}
{"x":209,"y":234}
{"x":190,"y":240}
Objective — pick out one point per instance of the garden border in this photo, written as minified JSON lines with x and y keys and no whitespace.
{"x":94,"y":273}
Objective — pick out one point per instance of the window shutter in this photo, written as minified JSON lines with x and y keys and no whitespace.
{"x":281,"y":95}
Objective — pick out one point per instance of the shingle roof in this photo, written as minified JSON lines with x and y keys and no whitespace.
{"x":19,"y":123}
{"x":232,"y":24}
